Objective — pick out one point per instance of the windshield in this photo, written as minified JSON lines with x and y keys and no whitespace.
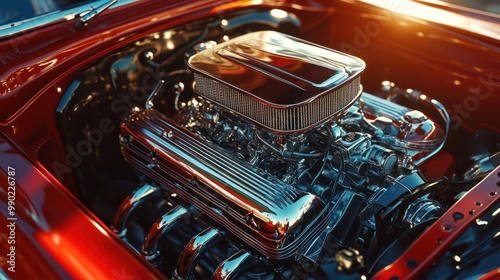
{"x":17,"y":10}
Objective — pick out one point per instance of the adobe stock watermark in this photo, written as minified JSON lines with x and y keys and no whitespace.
{"x":11,"y":219}
{"x":364,"y":35}
{"x":93,"y":138}
{"x":23,"y":37}
{"x":461,"y":111}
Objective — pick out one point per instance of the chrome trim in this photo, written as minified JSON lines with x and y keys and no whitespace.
{"x":234,"y":266}
{"x":193,"y":251}
{"x":168,"y":222}
{"x":129,"y":205}
{"x":40,"y":21}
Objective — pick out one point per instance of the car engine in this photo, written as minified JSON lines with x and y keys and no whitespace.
{"x":258,"y":156}
{"x":279,"y":148}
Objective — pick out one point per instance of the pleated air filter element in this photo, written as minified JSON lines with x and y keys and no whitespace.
{"x":277,"y":81}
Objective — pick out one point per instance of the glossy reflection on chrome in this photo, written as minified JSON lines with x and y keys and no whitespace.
{"x":267,"y":214}
{"x":131,"y":203}
{"x":278,"y":81}
{"x":192,"y":253}
{"x":234,"y":266}
{"x":168,"y":222}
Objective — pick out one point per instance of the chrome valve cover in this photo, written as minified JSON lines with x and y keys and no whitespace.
{"x":272,"y":217}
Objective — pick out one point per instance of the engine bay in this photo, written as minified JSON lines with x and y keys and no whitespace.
{"x":250,"y":154}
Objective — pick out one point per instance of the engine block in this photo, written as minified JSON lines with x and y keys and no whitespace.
{"x":270,"y":216}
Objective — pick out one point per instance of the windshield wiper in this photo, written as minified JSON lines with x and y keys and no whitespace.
{"x":84,"y":21}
